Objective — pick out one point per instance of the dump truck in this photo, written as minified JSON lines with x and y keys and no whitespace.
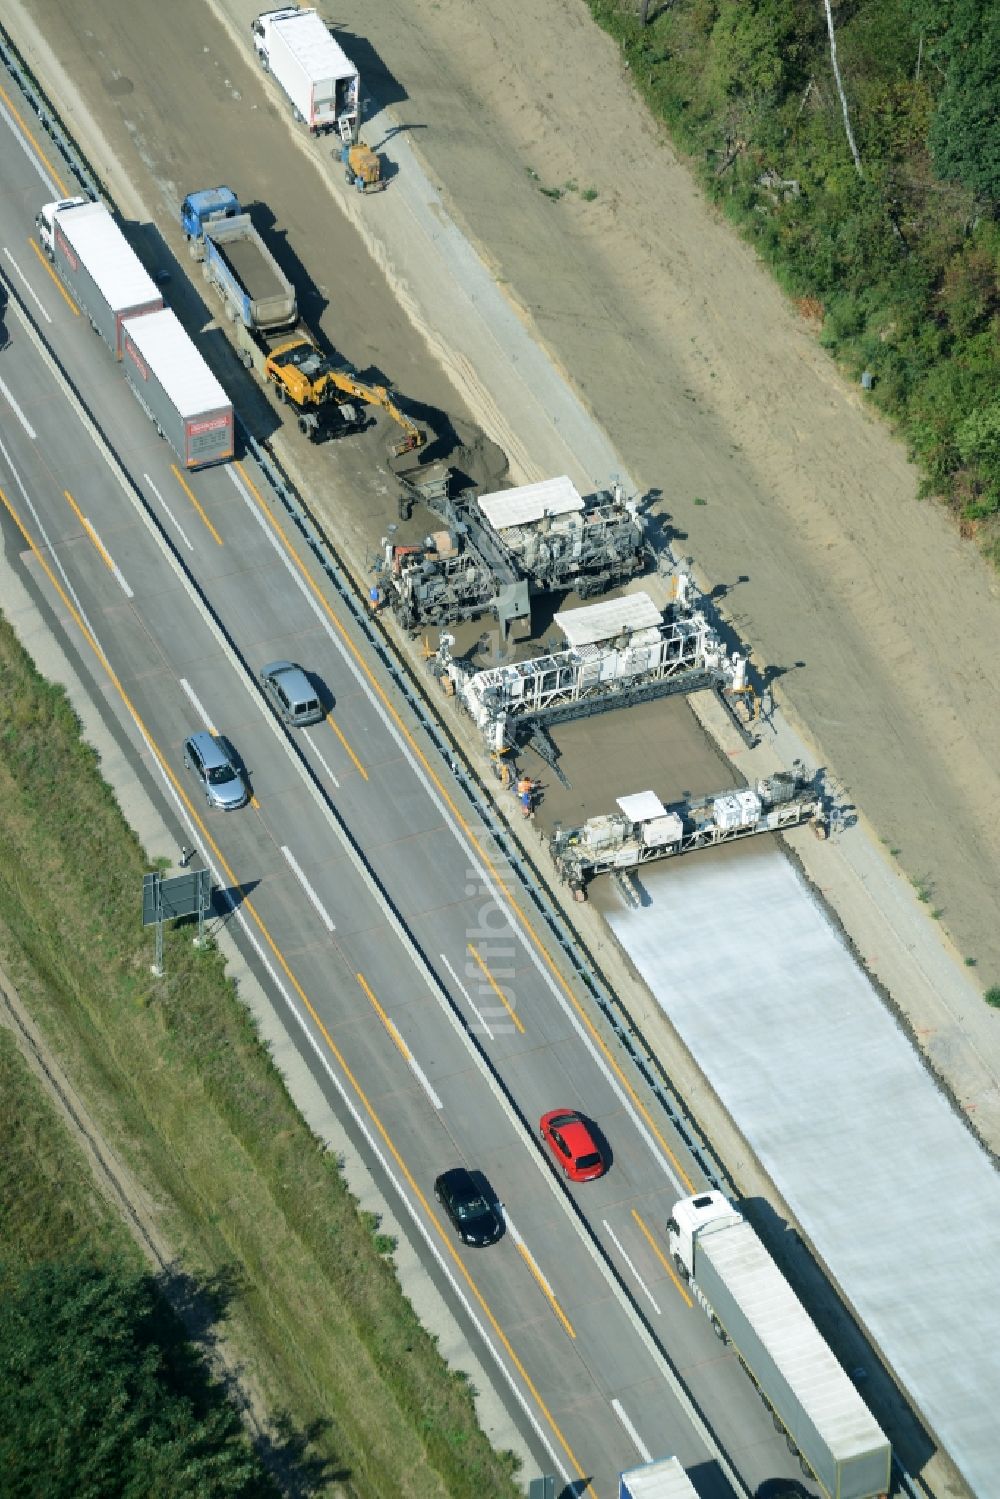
{"x":176,"y":388}
{"x":263,"y":321}
{"x":753,"y":1308}
{"x":97,"y":264}
{"x":664,"y":1479}
{"x":319,"y":80}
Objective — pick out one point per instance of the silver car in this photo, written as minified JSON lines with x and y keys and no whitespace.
{"x":221,"y":779}
{"x":292,"y":693}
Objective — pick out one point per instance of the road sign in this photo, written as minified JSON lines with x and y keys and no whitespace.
{"x":187,"y":894}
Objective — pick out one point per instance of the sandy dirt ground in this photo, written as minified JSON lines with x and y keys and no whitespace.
{"x":880,"y":626}
{"x":883,"y":625}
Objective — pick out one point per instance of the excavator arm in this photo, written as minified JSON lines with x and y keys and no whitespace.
{"x":378,"y":395}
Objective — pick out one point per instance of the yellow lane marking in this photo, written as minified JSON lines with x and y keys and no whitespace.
{"x":195,"y":502}
{"x":468,"y":833}
{"x":353,"y":757}
{"x":662,"y":1258}
{"x":55,"y":279}
{"x":280,"y":959}
{"x":60,"y":184}
{"x":545,"y":1288}
{"x":501,"y":996}
{"x":385,"y":1019}
{"x":85,"y":523}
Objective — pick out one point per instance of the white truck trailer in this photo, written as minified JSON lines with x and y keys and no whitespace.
{"x":752,"y":1307}
{"x":98,"y":266}
{"x":665,"y":1479}
{"x":316,"y":74}
{"x":176,"y":388}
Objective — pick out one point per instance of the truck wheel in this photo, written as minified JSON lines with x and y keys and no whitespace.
{"x":807,"y":1472}
{"x":719,"y":1330}
{"x":791,"y":1445}
{"x":777,"y":1421}
{"x":680,"y":1267}
{"x":263,"y":62}
{"x":298,"y":116}
{"x":281,"y":393}
{"x":349,"y":177}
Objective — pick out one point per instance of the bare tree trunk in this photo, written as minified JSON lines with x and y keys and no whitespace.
{"x":644,"y":13}
{"x":840,"y":89}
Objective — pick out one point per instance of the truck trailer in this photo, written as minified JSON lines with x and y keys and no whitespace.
{"x":665,"y":1479}
{"x":177,"y":389}
{"x":753,"y":1308}
{"x":100,"y":269}
{"x":318,"y":78}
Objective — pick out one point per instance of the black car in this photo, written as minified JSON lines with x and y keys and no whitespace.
{"x":476,"y":1220}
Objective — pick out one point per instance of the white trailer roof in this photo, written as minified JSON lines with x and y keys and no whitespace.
{"x":178,"y":366}
{"x":665,"y":1479}
{"x":790,"y":1336}
{"x":111,"y":262}
{"x":598,"y":622}
{"x":308,"y":39}
{"x":529,"y":502}
{"x":642,"y":805}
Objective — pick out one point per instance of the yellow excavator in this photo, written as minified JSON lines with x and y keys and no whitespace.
{"x":305,"y":378}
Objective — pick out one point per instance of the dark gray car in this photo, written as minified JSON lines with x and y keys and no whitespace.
{"x":213,"y":764}
{"x":292,"y":693}
{"x":478,"y":1222}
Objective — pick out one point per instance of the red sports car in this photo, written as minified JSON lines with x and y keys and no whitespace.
{"x":571,"y":1141}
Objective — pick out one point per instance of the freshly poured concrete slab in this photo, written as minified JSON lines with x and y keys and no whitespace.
{"x":898,"y":1198}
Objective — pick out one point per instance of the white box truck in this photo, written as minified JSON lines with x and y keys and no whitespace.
{"x":319,"y":79}
{"x":752,"y":1307}
{"x":665,"y":1479}
{"x":177,"y":389}
{"x":98,"y":266}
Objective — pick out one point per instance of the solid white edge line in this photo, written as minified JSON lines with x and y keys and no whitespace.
{"x":448,"y":817}
{"x":468,"y":997}
{"x":116,"y":570}
{"x":50,"y":549}
{"x":598,"y":1255}
{"x":27,"y":285}
{"x":638,"y":1278}
{"x":507,"y":1371}
{"x":640,"y":1445}
{"x":170,"y":514}
{"x":193,"y":696}
{"x":29,"y":151}
{"x":310,"y":892}
{"x":18,"y":412}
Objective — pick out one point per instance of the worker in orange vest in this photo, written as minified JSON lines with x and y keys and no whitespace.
{"x":526,"y":795}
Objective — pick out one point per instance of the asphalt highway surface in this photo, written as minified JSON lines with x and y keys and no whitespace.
{"x":414,"y":980}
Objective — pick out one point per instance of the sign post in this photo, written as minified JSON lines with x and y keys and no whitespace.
{"x":187,"y":894}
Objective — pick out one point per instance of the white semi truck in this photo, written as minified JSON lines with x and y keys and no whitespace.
{"x":176,"y":388}
{"x":753,"y":1308}
{"x":98,"y":266}
{"x":665,"y":1479}
{"x":320,"y":81}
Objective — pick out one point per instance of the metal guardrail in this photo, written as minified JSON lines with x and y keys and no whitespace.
{"x":582,"y":967}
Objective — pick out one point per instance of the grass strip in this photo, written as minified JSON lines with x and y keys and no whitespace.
{"x":175,"y":1074}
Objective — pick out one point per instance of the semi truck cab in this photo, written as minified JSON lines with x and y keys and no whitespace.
{"x":205,"y":207}
{"x":693,"y":1216}
{"x":45,"y":220}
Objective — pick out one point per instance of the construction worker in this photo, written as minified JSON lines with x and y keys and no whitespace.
{"x":526,"y":795}
{"x":376,"y":598}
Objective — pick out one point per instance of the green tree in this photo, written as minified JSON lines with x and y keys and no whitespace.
{"x":963,"y":38}
{"x":101,"y":1395}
